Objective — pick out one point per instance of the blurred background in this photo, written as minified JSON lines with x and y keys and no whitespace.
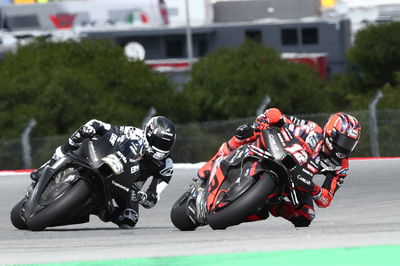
{"x":207,"y":65}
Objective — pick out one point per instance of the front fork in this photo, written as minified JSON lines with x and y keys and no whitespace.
{"x":196,"y":203}
{"x":30,"y":189}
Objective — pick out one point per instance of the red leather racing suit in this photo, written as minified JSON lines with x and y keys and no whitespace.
{"x":334,"y":170}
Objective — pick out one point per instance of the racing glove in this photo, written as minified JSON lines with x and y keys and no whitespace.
{"x":146,"y":199}
{"x":138,"y":196}
{"x":322,"y":197}
{"x":85,"y":131}
{"x":261,"y":123}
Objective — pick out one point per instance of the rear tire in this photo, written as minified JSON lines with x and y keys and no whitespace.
{"x":72,"y":202}
{"x":16,"y":218}
{"x":245,"y":205}
{"x":180,"y":215}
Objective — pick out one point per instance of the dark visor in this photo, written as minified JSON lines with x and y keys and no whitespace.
{"x":344,"y":143}
{"x":164,"y":144}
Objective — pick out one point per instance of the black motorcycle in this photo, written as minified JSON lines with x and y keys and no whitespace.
{"x":84,"y":182}
{"x":245,"y":182}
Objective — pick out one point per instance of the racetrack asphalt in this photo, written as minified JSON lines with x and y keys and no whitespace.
{"x":364,"y":213}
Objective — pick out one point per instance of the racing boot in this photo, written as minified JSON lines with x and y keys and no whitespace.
{"x":35,"y":175}
{"x":127,"y":219}
{"x":205,"y":171}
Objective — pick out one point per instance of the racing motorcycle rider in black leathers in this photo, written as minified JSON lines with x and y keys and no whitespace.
{"x":156,"y":141}
{"x":329,"y":148}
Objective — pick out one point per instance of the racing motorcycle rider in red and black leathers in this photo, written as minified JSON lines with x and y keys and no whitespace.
{"x":329,"y":148}
{"x":155,"y":143}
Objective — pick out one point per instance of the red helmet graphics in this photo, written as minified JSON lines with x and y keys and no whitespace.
{"x":341,"y":133}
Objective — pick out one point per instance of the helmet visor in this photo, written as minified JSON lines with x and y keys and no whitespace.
{"x":344,"y":143}
{"x":163,"y":144}
{"x":157,"y":154}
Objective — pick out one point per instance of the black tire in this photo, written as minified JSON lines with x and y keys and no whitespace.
{"x":16,"y":218}
{"x":180,"y":216}
{"x":71,"y":202}
{"x":245,"y":205}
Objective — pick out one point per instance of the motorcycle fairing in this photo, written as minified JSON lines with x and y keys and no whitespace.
{"x":33,"y":203}
{"x":281,"y":150}
{"x":231,"y":176}
{"x":86,"y":158}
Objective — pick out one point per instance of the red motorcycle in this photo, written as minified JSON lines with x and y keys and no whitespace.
{"x":246,"y":181}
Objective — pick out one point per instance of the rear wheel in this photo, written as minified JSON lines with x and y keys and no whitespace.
{"x":245,"y":205}
{"x":180,"y":216}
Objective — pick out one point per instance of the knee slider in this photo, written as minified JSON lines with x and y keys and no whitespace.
{"x":304,"y":217}
{"x":301,"y":221}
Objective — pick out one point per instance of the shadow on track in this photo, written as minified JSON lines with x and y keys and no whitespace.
{"x":106,"y":229}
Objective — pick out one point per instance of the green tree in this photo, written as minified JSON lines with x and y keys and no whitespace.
{"x":375,"y":64}
{"x":232,"y":83}
{"x":391,"y":94}
{"x":376,"y":55}
{"x":63,"y":85}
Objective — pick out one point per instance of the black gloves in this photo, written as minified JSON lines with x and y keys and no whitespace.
{"x":87,"y":131}
{"x":138,"y":196}
{"x":83,"y":132}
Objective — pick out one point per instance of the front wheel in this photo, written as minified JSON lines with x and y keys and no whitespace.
{"x":245,"y":205}
{"x":16,"y":216}
{"x":71,"y":203}
{"x":180,"y":216}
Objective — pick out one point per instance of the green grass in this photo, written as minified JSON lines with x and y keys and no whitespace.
{"x":355,"y":256}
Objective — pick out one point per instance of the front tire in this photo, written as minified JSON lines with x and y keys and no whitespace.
{"x":16,"y":218}
{"x":180,"y":215}
{"x":72,"y":202}
{"x":245,"y":205}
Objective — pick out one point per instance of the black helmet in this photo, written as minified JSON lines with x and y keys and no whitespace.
{"x":160,"y":134}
